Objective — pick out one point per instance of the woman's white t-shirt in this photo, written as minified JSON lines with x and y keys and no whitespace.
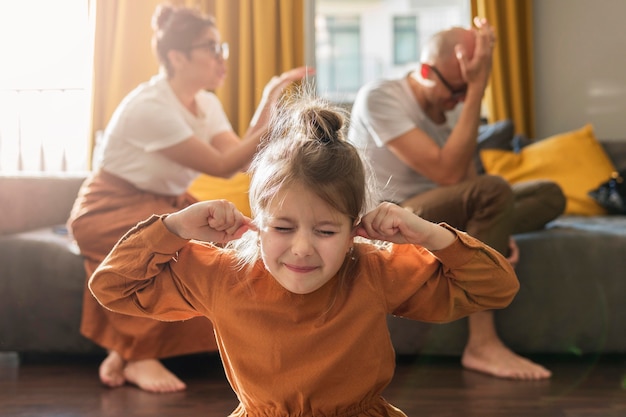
{"x":152,"y":118}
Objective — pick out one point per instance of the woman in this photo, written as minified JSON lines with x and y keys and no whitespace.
{"x":161,"y":137}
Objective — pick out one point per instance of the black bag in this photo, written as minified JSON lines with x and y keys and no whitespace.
{"x":612,"y":194}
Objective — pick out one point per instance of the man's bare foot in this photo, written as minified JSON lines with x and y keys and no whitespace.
{"x":150,"y":375}
{"x":112,"y":370}
{"x":497,"y":360}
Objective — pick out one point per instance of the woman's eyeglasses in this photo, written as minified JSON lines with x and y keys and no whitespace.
{"x":456,"y":92}
{"x":219,"y":50}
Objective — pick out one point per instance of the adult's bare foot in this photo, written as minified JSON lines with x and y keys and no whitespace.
{"x":498,"y":360}
{"x":150,"y":375}
{"x":112,"y":370}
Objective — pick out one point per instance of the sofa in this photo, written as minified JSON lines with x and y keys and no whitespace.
{"x":572,"y":298}
{"x":42,"y":274}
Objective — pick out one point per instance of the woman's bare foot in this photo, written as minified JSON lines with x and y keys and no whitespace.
{"x":112,"y":370}
{"x":497,"y":360}
{"x":150,"y":375}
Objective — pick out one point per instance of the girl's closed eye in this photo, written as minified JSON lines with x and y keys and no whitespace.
{"x":280,"y":226}
{"x":326,"y":232}
{"x":289,"y":229}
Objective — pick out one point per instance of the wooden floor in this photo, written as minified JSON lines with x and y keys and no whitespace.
{"x":423,"y":386}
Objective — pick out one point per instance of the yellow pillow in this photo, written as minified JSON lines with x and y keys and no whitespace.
{"x":234,"y":189}
{"x":575,"y":160}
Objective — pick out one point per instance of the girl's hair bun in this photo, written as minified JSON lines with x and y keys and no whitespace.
{"x":322,"y":124}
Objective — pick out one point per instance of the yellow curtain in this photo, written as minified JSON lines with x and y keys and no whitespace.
{"x":266,"y":37}
{"x":510,"y":93}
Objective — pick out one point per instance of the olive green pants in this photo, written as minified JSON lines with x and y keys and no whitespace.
{"x":490,"y":209}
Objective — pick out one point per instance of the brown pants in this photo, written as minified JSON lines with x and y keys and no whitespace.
{"x":106,"y":208}
{"x":490,"y":209}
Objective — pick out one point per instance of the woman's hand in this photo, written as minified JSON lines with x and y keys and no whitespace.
{"x":274,"y":88}
{"x":272,"y":92}
{"x":216,"y":221}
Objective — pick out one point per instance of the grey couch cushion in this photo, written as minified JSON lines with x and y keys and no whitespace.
{"x":41,"y":284}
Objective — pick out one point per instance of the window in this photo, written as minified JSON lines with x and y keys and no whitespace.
{"x":352,"y":42}
{"x":405,"y":40}
{"x":338,"y":46}
{"x":45,"y":85}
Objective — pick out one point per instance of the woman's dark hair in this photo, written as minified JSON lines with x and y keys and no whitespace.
{"x":176,"y":28}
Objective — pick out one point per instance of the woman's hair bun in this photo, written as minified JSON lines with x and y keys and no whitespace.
{"x":162,"y":16}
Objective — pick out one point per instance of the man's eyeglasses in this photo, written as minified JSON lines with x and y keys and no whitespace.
{"x":219,"y":50}
{"x":456,"y":92}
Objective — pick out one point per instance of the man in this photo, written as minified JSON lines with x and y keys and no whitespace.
{"x":425,"y":165}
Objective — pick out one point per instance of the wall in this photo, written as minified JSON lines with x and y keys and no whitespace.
{"x":580,"y":66}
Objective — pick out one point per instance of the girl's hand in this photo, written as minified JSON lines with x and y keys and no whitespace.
{"x":216,"y":221}
{"x":392,"y":223}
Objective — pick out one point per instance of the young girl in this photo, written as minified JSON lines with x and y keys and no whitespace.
{"x":299,"y":302}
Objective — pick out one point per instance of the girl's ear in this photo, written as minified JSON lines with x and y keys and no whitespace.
{"x":355,"y":228}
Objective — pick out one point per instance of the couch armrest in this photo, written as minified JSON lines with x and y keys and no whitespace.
{"x":31,"y":201}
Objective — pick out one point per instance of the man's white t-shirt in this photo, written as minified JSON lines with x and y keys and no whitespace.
{"x":382,"y":111}
{"x":152,"y":118}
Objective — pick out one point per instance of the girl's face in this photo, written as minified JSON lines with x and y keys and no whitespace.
{"x":304,"y":241}
{"x":206,"y":65}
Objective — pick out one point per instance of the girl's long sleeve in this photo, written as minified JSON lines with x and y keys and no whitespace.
{"x":153,"y":273}
{"x":139,"y":275}
{"x":445,"y":285}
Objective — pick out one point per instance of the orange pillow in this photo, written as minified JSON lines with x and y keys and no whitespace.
{"x":575,"y":160}
{"x":234,"y":189}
